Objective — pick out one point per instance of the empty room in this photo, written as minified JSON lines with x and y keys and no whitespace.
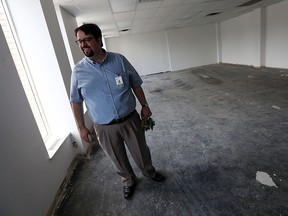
{"x":201,"y":91}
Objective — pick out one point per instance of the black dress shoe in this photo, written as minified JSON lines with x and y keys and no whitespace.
{"x":158,"y":177}
{"x":128,"y":191}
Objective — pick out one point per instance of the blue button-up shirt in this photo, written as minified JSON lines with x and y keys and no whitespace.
{"x":98,"y":85}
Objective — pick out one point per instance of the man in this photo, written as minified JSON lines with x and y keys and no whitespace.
{"x":106,"y":81}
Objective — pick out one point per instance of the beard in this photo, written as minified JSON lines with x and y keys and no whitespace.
{"x":88,"y":51}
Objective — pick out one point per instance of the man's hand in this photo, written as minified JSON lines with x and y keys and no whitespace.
{"x":85,"y":134}
{"x":145,"y":112}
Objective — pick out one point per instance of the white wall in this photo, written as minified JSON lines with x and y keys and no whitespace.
{"x":192,"y":47}
{"x":148,"y":53}
{"x":46,"y":55}
{"x":29,"y":179}
{"x":258,"y":38}
{"x":67,"y":24}
{"x":56,"y":38}
{"x":277,"y":35}
{"x":165,"y":51}
{"x":241,"y":39}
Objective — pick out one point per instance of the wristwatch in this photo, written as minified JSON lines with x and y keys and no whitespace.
{"x":145,"y":105}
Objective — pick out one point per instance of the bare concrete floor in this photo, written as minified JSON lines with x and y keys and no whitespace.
{"x":216,"y":126}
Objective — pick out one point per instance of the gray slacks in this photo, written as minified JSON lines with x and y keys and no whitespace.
{"x":112,"y":139}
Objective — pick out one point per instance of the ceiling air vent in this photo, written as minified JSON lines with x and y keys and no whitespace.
{"x":249,"y":3}
{"x":213,"y":14}
{"x":124,"y":30}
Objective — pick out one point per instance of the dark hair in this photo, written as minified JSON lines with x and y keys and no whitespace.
{"x":90,"y":28}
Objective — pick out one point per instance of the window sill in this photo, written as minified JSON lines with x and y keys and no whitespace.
{"x":54,"y":143}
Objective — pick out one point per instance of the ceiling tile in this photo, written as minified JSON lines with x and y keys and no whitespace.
{"x":137,"y":30}
{"x":149,"y":5}
{"x":62,"y":1}
{"x":144,"y":14}
{"x":126,"y":16}
{"x":115,"y":15}
{"x":123,"y":5}
{"x":122,"y":25}
{"x":164,"y":11}
{"x":158,"y":19}
{"x":99,"y":18}
{"x":140,"y":22}
{"x":171,"y":3}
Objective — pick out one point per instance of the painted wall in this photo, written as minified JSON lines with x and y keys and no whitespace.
{"x":192,"y":47}
{"x":258,"y":38}
{"x":46,"y":55}
{"x":241,"y":39}
{"x":57,"y":42}
{"x":67,"y":24}
{"x":29,"y":179}
{"x":277,"y":35}
{"x":148,"y":53}
{"x":165,"y":51}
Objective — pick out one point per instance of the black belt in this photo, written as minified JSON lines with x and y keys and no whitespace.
{"x":121,"y":120}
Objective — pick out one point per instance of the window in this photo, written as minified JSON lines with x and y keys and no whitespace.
{"x":23,"y":71}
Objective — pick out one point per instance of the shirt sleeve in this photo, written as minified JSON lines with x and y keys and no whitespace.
{"x":134,"y":77}
{"x":75,"y":93}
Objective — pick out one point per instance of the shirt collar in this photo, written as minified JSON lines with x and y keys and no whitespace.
{"x":93,"y":62}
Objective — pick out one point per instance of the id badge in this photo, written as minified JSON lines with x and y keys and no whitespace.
{"x":119,"y":81}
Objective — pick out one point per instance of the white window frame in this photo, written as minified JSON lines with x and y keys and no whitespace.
{"x":39,"y":36}
{"x":23,"y":72}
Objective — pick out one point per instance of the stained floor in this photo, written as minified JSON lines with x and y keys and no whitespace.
{"x":216,"y":127}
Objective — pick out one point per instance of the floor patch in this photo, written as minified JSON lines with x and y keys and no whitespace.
{"x":264,"y":178}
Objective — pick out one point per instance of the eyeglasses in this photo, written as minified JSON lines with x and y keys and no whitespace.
{"x":85,"y":40}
